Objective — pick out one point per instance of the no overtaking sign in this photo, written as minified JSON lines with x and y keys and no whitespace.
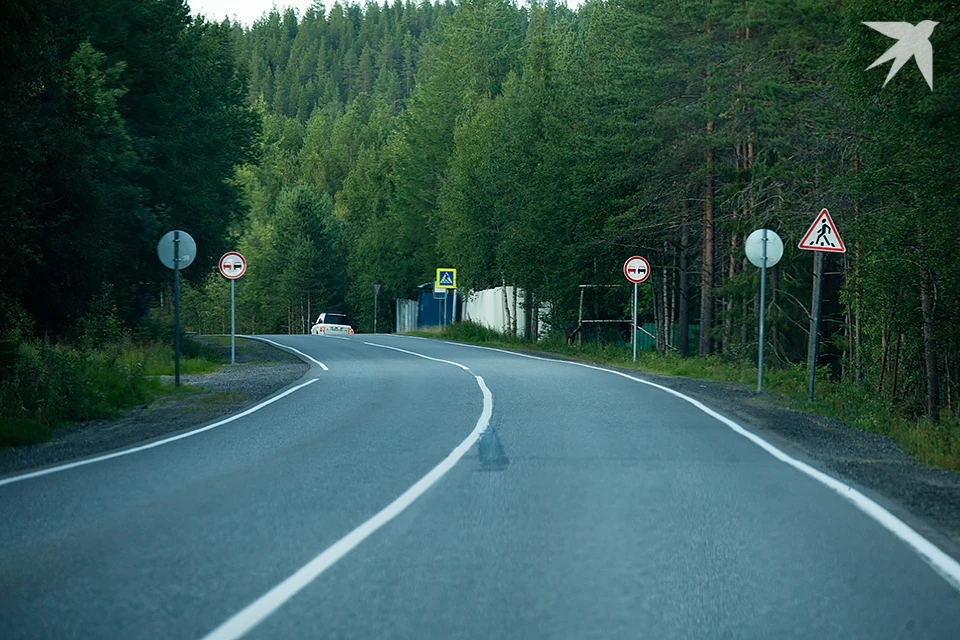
{"x":636,"y":269}
{"x":232,"y":265}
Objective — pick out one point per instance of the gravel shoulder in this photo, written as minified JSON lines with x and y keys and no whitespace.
{"x":260,"y":371}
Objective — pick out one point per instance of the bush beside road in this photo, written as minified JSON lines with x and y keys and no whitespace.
{"x":95,"y":403}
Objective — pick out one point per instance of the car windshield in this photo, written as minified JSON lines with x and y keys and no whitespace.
{"x":334,"y":318}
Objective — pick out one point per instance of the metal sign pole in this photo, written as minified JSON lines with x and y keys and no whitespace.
{"x":633,"y":323}
{"x":763,"y":305}
{"x":233,"y":324}
{"x":176,"y":309}
{"x":814,"y":339}
{"x":375,"y":296}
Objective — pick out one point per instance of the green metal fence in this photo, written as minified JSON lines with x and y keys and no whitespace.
{"x":646,"y":340}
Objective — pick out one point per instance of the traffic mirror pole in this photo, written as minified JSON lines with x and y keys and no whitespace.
{"x":764,"y":248}
{"x":176,"y":309}
{"x":763,"y":304}
{"x":814,"y":339}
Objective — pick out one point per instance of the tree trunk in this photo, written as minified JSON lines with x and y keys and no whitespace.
{"x":857,"y":342}
{"x":773,"y":311}
{"x":884,"y":347}
{"x":580,"y":318}
{"x":672,"y":308}
{"x":527,"y":314}
{"x":506,"y":306}
{"x":946,"y":370}
{"x":731,"y":272}
{"x":929,"y":348}
{"x":706,"y":264}
{"x":744,"y":335}
{"x":536,"y":318}
{"x":846,"y":362}
{"x":896,"y":368}
{"x":664,"y":320}
{"x":683,"y":312}
{"x":514,"y":312}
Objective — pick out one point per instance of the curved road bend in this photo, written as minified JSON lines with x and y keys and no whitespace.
{"x":592,"y":506}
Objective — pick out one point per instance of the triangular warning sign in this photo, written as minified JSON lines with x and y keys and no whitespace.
{"x":823,"y":235}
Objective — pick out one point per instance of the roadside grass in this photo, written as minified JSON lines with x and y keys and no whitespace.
{"x":934,"y":445}
{"x":157,"y":359}
{"x":49,"y":385}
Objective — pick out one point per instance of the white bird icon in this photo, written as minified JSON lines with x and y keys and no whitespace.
{"x":913,"y":41}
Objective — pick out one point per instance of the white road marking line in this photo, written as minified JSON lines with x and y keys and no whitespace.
{"x":941,"y":562}
{"x":268,"y":603}
{"x":151,"y":445}
{"x":283,"y":346}
{"x":420,"y":355}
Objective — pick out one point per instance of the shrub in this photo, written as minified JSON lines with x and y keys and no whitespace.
{"x":100,"y":325}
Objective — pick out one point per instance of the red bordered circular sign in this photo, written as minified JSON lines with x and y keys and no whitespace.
{"x":232,"y":265}
{"x":636,"y":269}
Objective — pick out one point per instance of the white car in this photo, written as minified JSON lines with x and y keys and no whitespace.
{"x":331,"y":324}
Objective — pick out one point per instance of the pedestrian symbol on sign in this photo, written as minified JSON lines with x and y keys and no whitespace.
{"x":824,"y":231}
{"x":822,"y":235}
{"x":446,"y":279}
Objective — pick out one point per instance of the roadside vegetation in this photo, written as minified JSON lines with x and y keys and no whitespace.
{"x":933,"y":444}
{"x":96,"y":371}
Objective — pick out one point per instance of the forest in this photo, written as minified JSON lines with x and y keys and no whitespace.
{"x":524,"y":144}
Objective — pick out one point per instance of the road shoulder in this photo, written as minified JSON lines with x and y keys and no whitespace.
{"x":260,"y":371}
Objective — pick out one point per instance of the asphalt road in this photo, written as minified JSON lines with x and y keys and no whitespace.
{"x":383,"y":499}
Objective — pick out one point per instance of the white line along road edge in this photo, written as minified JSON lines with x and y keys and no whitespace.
{"x":269,"y":602}
{"x":285,"y":347}
{"x":942,"y":563}
{"x":150,"y":445}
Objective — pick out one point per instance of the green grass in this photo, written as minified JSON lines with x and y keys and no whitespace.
{"x":158,"y":360}
{"x":935,"y":445}
{"x":50,"y":385}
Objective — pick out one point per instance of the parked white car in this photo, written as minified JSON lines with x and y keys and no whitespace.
{"x":331,"y":324}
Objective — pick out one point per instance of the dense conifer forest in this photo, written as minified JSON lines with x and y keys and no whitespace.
{"x":529,"y":145}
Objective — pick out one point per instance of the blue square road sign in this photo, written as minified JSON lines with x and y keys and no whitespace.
{"x":446,"y":279}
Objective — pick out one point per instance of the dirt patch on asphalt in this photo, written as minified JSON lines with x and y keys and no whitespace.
{"x":260,"y":371}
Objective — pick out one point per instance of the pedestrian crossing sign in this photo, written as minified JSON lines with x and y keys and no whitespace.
{"x":446,"y":279}
{"x":823,"y":235}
